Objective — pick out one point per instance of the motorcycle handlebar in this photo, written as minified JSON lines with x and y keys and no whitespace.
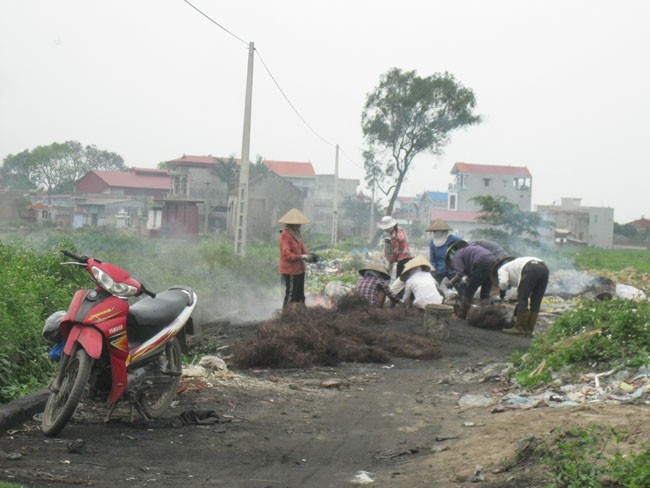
{"x":70,"y":254}
{"x":147,"y":292}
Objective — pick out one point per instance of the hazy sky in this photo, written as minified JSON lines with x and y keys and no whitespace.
{"x":563,"y":86}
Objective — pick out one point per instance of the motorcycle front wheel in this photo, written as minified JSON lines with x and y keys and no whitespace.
{"x":155,"y":403}
{"x":62,"y":403}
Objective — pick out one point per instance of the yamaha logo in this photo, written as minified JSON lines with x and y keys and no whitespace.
{"x":113,"y":330}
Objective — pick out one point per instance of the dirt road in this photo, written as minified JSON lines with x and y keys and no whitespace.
{"x":393,"y":425}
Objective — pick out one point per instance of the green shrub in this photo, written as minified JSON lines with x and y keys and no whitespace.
{"x":593,"y":458}
{"x":608,"y":334}
{"x":33,"y":286}
{"x":36,"y":285}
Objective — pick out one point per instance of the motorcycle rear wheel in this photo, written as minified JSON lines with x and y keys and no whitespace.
{"x":155,"y":404}
{"x":62,"y":403}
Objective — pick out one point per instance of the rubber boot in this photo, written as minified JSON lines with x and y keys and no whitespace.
{"x":521,"y":324}
{"x":464,"y":307}
{"x":530,"y":326}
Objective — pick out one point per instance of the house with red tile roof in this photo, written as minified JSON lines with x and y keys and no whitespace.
{"x":138,"y":182}
{"x":195,"y":176}
{"x":472,"y":180}
{"x":641,"y":224}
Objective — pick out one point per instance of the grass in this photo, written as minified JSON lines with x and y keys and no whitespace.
{"x":593,"y":457}
{"x":595,"y":335}
{"x":613,"y":259}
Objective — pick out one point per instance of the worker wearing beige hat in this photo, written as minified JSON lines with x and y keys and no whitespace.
{"x":293,"y":255}
{"x":373,"y":285}
{"x":441,"y":238}
{"x":396,"y":244}
{"x":419,"y":283}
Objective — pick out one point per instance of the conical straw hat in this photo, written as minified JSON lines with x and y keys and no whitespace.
{"x":375,"y":267}
{"x":415,"y":263}
{"x":494,"y":275}
{"x":438,"y":225}
{"x":294,"y":216}
{"x":451,"y":250}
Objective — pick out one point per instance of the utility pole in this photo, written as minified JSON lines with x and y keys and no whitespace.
{"x":371,"y":231}
{"x":335,"y":209}
{"x":242,"y":194}
{"x":206,"y":208}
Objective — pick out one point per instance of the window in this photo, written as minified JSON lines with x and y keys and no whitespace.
{"x":452,"y":202}
{"x":486,"y":181}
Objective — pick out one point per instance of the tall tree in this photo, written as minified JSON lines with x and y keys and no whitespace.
{"x":513,"y":228}
{"x":55,"y":168}
{"x":407,"y":115}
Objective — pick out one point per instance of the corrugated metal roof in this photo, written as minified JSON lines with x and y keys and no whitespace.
{"x":520,"y":171}
{"x":436,"y":196}
{"x":129,"y":180}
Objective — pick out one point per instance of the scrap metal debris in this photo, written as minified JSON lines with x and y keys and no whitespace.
{"x":200,"y":417}
{"x":353,"y":332}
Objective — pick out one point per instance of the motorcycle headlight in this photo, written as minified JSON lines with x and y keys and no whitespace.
{"x":107,"y":283}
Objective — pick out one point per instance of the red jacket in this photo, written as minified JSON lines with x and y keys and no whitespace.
{"x":291,"y":251}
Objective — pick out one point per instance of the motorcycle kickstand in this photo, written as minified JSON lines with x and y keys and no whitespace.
{"x":140,"y":410}
{"x":110,"y":412}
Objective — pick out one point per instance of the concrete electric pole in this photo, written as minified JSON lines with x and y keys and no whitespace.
{"x":242,"y":194}
{"x":335,"y":209}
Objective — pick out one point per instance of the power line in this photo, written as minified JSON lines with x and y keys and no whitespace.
{"x":289,"y":101}
{"x":284,"y":95}
{"x":350,"y":159}
{"x":215,"y":22}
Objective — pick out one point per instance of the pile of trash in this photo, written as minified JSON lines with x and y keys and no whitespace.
{"x":599,"y":285}
{"x":615,"y":386}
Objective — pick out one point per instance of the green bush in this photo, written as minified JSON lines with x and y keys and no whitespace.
{"x":34,"y":285}
{"x":608,"y":334}
{"x":593,"y":458}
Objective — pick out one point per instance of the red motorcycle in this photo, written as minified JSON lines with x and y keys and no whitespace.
{"x":115,"y":351}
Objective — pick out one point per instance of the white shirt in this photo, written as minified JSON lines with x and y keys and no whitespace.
{"x":510,"y":273}
{"x":423,"y":286}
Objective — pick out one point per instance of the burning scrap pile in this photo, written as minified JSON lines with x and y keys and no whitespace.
{"x":352,"y":332}
{"x":628,"y":283}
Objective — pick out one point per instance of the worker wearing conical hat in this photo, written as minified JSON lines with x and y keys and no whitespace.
{"x":419,"y":283}
{"x":373,"y":285}
{"x":441,"y":238}
{"x":293,"y":255}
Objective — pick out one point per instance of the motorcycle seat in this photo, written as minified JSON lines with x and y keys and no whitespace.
{"x":150,"y":315}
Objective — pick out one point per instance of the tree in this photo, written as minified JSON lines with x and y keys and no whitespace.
{"x":512,"y":227}
{"x":228,"y":170}
{"x":407,"y":115}
{"x":357,"y":209}
{"x":56,"y":168}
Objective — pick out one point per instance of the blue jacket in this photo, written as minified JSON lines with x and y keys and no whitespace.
{"x":437,"y":256}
